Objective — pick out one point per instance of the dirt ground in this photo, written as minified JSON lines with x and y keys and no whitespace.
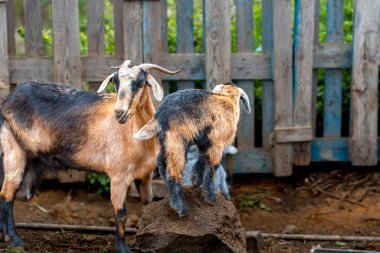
{"x":306,"y":203}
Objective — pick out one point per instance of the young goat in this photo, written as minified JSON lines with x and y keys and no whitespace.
{"x":206,"y":119}
{"x":77,"y":129}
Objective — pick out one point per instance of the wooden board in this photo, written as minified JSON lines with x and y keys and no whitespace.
{"x":185,"y":34}
{"x":244,"y":44}
{"x":118,"y":21}
{"x":282,"y":72}
{"x":365,"y":78}
{"x":218,"y":42}
{"x":33,"y":28}
{"x":11,"y":29}
{"x":303,"y":79}
{"x":4,"y":59}
{"x":95,"y":33}
{"x":333,"y":77}
{"x":164,"y":40}
{"x":132,"y":26}
{"x":253,"y":160}
{"x":268,"y":89}
{"x":66,"y":45}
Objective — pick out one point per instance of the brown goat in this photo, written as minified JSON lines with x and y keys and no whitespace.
{"x":208,"y":120}
{"x":77,"y":129}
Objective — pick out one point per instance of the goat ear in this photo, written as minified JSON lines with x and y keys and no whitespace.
{"x":158,"y":92}
{"x":245,"y":99}
{"x":105,"y":82}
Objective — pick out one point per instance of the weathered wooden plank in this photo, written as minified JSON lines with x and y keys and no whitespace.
{"x":315,"y":71}
{"x":132,"y":25}
{"x":244,"y":44}
{"x":11,"y":29}
{"x":253,"y":160}
{"x":66,"y":45}
{"x":365,"y":77}
{"x":33,"y":28}
{"x":4,"y":58}
{"x":118,"y":21}
{"x":268,"y":89}
{"x":333,"y":55}
{"x":218,"y":42}
{"x":26,"y":69}
{"x":282,"y":71}
{"x":185,"y":33}
{"x":333,"y":77}
{"x":293,"y":134}
{"x":95,"y":33}
{"x":329,"y":149}
{"x":164,"y":39}
{"x":303,"y":79}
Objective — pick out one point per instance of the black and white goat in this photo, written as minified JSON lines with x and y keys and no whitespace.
{"x":203,"y":118}
{"x":77,"y":129}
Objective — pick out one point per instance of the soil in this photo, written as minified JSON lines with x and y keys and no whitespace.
{"x":265,"y":203}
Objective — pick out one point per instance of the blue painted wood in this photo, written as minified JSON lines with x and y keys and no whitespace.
{"x":254,"y":160}
{"x":268,"y":90}
{"x":333,"y":77}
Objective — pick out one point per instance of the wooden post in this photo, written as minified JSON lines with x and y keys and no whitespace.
{"x":267,"y":99}
{"x":4,"y":58}
{"x":303,"y":79}
{"x":333,"y":77}
{"x":67,"y":62}
{"x":315,"y":71}
{"x":164,"y":40}
{"x":33,"y":28}
{"x":185,"y":34}
{"x":118,"y":20}
{"x":11,"y":29}
{"x":95,"y":33}
{"x":365,"y":78}
{"x":282,"y":71}
{"x":132,"y":25}
{"x":218,"y":42}
{"x":244,"y":41}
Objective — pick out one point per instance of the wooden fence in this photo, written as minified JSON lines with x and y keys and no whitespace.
{"x":287,"y":67}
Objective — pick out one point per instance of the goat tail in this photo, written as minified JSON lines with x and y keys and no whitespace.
{"x":149,"y":130}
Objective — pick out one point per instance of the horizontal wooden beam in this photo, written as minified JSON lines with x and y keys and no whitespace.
{"x":333,"y":55}
{"x":253,"y":160}
{"x":293,"y":134}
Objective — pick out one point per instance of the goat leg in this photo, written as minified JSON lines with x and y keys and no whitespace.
{"x":198,"y":171}
{"x":121,"y":219}
{"x":208,"y":185}
{"x":16,"y":241}
{"x":176,"y":199}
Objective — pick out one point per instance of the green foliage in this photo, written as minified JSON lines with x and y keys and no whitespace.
{"x":251,"y":200}
{"x":101,"y":182}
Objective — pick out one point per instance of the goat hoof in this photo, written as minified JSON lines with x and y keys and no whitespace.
{"x":182,"y":212}
{"x":16,"y":242}
{"x":122,"y":248}
{"x":197,"y":181}
{"x":210,"y":198}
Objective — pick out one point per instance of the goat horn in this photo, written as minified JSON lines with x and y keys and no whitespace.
{"x":147,"y":66}
{"x":245,"y":99}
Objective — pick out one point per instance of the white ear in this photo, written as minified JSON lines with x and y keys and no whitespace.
{"x":105,"y":83}
{"x":158,"y":92}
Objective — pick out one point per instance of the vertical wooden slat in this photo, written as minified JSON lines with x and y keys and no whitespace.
{"x":303,"y":79}
{"x":95,"y":32}
{"x":33,"y":28}
{"x":315,"y":71}
{"x":118,"y":20}
{"x":4,"y":58}
{"x":268,"y":90}
{"x":67,"y":68}
{"x":218,"y":42}
{"x":132,"y":25}
{"x":11,"y":29}
{"x":185,"y":33}
{"x":365,"y":77}
{"x":333,"y":77}
{"x":282,"y":72}
{"x":244,"y":44}
{"x":164,"y":38}
{"x":152,"y":36}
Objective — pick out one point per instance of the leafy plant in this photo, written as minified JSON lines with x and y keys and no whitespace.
{"x":251,"y":200}
{"x":101,"y":182}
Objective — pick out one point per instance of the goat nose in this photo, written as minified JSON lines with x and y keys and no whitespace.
{"x":118,"y":113}
{"x":121,"y":116}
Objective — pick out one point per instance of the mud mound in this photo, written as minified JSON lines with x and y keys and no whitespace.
{"x":206,"y":228}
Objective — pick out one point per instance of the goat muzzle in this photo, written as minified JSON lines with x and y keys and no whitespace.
{"x":122,"y":116}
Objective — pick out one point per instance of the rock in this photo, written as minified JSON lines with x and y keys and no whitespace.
{"x":206,"y":228}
